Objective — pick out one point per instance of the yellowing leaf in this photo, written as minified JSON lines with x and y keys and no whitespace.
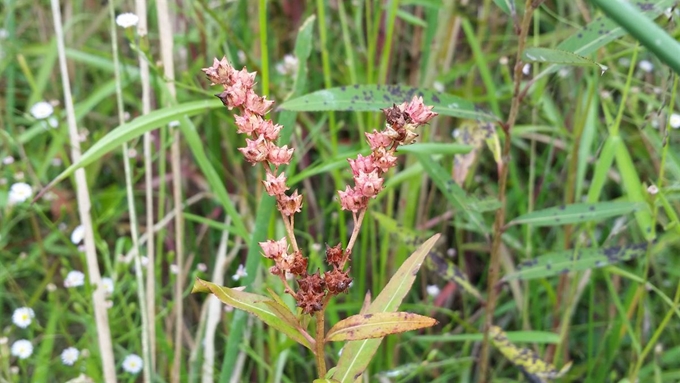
{"x":474,"y":134}
{"x":369,"y":326}
{"x":524,"y":358}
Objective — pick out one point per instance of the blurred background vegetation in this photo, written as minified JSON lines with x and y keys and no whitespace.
{"x":612,"y":323}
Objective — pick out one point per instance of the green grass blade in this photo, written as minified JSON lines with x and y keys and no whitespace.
{"x":561,"y":262}
{"x":436,"y":148}
{"x":367,"y":98}
{"x":576,"y":213}
{"x":556,"y":56}
{"x":540,"y":337}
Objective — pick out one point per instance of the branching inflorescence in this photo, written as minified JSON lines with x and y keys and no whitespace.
{"x":314,"y":290}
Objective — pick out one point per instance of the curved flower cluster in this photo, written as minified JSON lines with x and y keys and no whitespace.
{"x":401,"y":122}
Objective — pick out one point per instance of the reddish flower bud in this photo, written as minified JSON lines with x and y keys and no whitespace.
{"x":395,"y":116}
{"x":289,"y":205}
{"x":280,"y":156}
{"x":255,"y":150}
{"x":219,"y":72}
{"x":334,"y":255}
{"x":244,"y":77}
{"x":257,"y":104}
{"x":275,"y":185}
{"x":352,"y":200}
{"x":249,"y":123}
{"x":336,"y":281}
{"x":368,"y":184}
{"x":383,"y":159}
{"x":361,"y":164}
{"x":419,"y":113}
{"x":378,"y":139}
{"x":269,"y":130}
{"x":274,"y":249}
{"x":299,"y":264}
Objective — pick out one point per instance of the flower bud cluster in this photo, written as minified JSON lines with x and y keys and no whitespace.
{"x":401,"y":122}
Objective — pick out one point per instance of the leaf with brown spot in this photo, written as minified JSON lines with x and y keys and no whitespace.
{"x":370,"y":326}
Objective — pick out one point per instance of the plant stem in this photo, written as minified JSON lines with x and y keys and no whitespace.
{"x":320,"y":343}
{"x":499,"y":221}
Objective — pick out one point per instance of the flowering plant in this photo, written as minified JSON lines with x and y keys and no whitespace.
{"x":315,"y":290}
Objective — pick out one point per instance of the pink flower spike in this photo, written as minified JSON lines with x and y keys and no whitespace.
{"x":351,"y":200}
{"x":289,"y":205}
{"x":274,"y":249}
{"x":378,"y":139}
{"x":257,"y":104}
{"x":275,"y":185}
{"x":368,"y":184}
{"x":269,"y":130}
{"x":233,"y":96}
{"x":280,"y":156}
{"x":248,"y":123}
{"x":247,"y":79}
{"x":361,"y":164}
{"x":255,"y":150}
{"x":419,"y":113}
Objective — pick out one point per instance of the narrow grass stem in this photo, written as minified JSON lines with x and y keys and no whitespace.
{"x":84,"y":205}
{"x":139,"y":271}
{"x":320,"y":343}
{"x":499,"y":221}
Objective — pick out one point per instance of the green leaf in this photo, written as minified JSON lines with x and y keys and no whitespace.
{"x":542,"y":337}
{"x":508,"y":6}
{"x":410,"y":18}
{"x":269,"y":311}
{"x":378,"y":325}
{"x":556,"y":56}
{"x":451,"y":272}
{"x":579,"y":212}
{"x":134,"y":129}
{"x":325,"y":381}
{"x":435,"y":148}
{"x":367,"y":98}
{"x":357,"y":355}
{"x":561,"y":262}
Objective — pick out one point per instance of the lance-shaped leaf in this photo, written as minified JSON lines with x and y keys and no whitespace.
{"x":367,"y":98}
{"x":525,"y":358}
{"x":269,"y":311}
{"x":357,"y":354}
{"x":451,"y":272}
{"x":378,"y":325}
{"x":561,"y":262}
{"x":578,"y":212}
{"x":556,"y":56}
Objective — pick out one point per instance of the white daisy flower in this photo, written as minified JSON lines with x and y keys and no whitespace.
{"x":78,"y":234}
{"x":69,"y":356}
{"x":22,"y":349}
{"x":74,"y":278}
{"x":19,"y":192}
{"x":433,"y":290}
{"x":133,"y":364}
{"x":288,"y":66}
{"x":108,"y":285}
{"x":127,"y":20}
{"x":41,"y":110}
{"x":674,"y":121}
{"x":23,"y":316}
{"x":646,"y":66}
{"x":240,"y":273}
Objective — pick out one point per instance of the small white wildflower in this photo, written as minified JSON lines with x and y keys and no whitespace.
{"x":564,"y":72}
{"x":9,"y":160}
{"x":438,"y":86}
{"x":174,"y":269}
{"x":85,"y":353}
{"x":451,"y":252}
{"x":202,"y":267}
{"x":316,"y":247}
{"x":22,"y":348}
{"x":19,"y":176}
{"x":289,"y":65}
{"x":51,"y":287}
{"x":126,"y":116}
{"x":240,"y":273}
{"x":78,"y":234}
{"x":133,"y":364}
{"x":41,"y":110}
{"x":23,"y":316}
{"x":74,"y":278}
{"x":4,"y":340}
{"x":19,"y":192}
{"x":455,"y":133}
{"x":433,"y":290}
{"x":108,"y":285}
{"x":69,"y":356}
{"x":646,"y":66}
{"x":241,"y":55}
{"x":127,"y":20}
{"x":674,"y":121}
{"x":503,"y":60}
{"x":605,"y":94}
{"x":652,"y":190}
{"x":526,"y":69}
